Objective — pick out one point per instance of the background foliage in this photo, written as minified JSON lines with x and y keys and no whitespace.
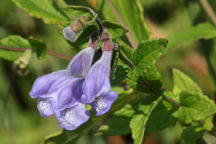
{"x":166,"y":96}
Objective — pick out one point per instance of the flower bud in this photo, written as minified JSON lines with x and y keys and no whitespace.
{"x":70,"y":32}
{"x":20,"y":65}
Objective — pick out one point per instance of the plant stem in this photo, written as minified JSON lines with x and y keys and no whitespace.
{"x":49,"y":52}
{"x":208,"y":9}
{"x":126,"y":60}
{"x":100,"y":25}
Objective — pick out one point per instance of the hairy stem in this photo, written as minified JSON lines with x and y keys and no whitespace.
{"x":126,"y":60}
{"x":208,"y":9}
{"x":49,"y":52}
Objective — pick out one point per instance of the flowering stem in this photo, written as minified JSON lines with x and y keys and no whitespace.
{"x":49,"y":52}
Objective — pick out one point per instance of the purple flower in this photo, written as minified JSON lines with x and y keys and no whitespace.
{"x":81,"y":63}
{"x":59,"y":92}
{"x":103,"y":103}
{"x":96,"y":87}
{"x":97,"y":81}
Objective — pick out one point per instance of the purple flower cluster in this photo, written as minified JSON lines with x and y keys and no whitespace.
{"x":65,"y":93}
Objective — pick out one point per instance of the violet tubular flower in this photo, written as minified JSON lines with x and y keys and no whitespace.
{"x":59,"y":92}
{"x":96,"y":87}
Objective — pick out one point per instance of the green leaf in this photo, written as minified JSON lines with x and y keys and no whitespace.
{"x":161,"y":118}
{"x":150,"y":49}
{"x":13,"y":41}
{"x":195,"y":106}
{"x":190,"y":135}
{"x":144,"y":57}
{"x":139,"y":119}
{"x":129,"y":14}
{"x":201,"y":31}
{"x":119,"y":123}
{"x":183,"y":83}
{"x":39,"y":47}
{"x":43,"y":9}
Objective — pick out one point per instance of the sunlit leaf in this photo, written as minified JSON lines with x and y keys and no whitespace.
{"x":43,"y":9}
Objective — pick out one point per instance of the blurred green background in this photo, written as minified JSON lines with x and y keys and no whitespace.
{"x":21,"y":123}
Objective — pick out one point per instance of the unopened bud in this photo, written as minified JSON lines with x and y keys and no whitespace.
{"x":70,"y":32}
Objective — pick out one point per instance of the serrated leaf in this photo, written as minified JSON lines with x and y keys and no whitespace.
{"x":43,"y":9}
{"x":183,"y":83}
{"x":39,"y":47}
{"x":139,"y":119}
{"x":195,"y":106}
{"x":13,"y":41}
{"x":201,"y":31}
{"x":147,"y":48}
{"x":144,"y":57}
{"x":119,"y":123}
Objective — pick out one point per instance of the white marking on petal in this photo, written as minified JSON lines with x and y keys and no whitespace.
{"x":44,"y":106}
{"x":69,"y":34}
{"x":98,"y":104}
{"x":67,"y":117}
